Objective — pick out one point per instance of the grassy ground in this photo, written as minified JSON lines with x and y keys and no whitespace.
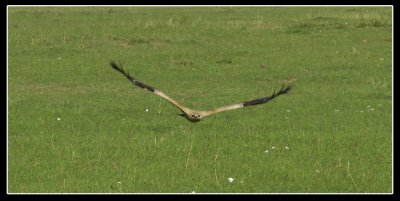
{"x":76,"y":125}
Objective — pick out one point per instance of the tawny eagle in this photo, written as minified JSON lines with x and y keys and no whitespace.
{"x":196,"y":115}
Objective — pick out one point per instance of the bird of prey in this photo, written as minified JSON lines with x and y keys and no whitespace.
{"x":196,"y":115}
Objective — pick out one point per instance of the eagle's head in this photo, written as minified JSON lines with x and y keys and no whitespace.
{"x":193,"y":117}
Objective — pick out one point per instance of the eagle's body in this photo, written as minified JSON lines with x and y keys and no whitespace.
{"x":196,"y":115}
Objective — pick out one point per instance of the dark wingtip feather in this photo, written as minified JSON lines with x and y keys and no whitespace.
{"x":121,"y":70}
{"x":114,"y":65}
{"x":127,"y":75}
{"x":283,"y":90}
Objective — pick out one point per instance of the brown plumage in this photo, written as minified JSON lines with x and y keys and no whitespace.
{"x":196,"y":115}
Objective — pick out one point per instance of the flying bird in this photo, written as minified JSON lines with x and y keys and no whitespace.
{"x":197,"y":115}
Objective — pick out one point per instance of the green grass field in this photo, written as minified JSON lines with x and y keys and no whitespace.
{"x":77,"y":126}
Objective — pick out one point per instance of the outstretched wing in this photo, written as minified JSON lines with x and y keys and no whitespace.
{"x":148,"y":88}
{"x":283,"y":90}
